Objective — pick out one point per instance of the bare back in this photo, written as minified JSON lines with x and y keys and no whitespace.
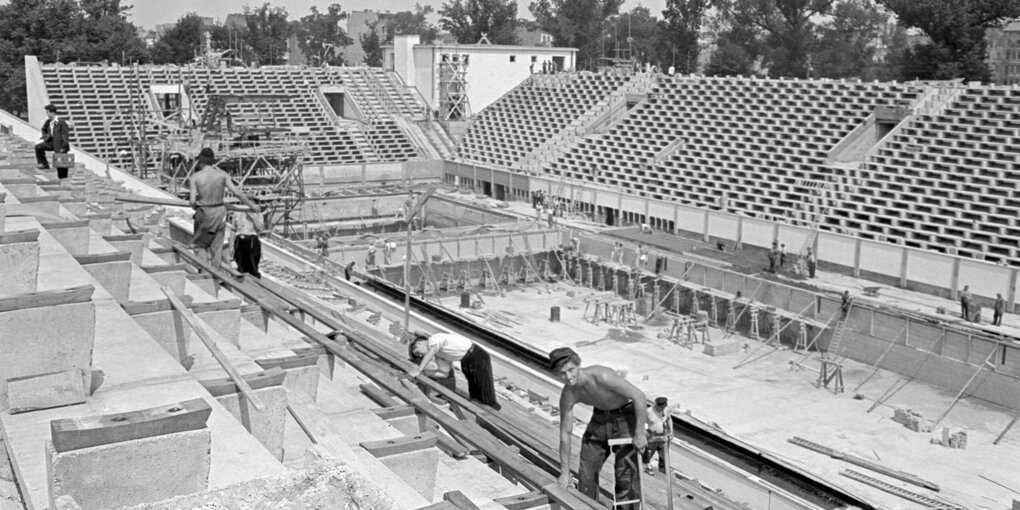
{"x":603,"y":388}
{"x":209,"y":184}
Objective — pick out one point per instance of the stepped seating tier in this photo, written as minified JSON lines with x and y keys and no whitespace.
{"x":98,"y":100}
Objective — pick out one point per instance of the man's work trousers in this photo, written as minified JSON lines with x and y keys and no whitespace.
{"x":656,"y":444}
{"x":248,"y":254}
{"x":477,"y":368}
{"x":606,"y":425}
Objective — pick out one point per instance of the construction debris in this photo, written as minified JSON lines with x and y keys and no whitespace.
{"x":913,"y":420}
{"x":956,"y":440}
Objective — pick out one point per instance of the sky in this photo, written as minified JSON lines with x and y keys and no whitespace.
{"x":149,"y":13}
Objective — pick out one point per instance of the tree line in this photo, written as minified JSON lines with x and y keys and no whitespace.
{"x":868,"y":39}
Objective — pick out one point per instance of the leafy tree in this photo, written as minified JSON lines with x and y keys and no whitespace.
{"x":730,"y":59}
{"x":957,"y":31}
{"x":577,"y":24}
{"x":60,"y":31}
{"x":788,"y":28}
{"x":180,"y":43}
{"x":412,"y":23}
{"x":846,"y":46}
{"x":267,"y":32}
{"x":681,"y":26}
{"x":321,"y":36}
{"x":467,"y":20}
{"x":371,"y":44}
{"x":638,"y":31}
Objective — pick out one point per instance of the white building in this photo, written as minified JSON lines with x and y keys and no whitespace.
{"x":459,"y":79}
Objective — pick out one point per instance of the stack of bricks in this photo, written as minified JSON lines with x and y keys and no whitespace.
{"x":950,"y":440}
{"x":912,"y":420}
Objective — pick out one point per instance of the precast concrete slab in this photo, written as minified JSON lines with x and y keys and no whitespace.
{"x":19,"y":263}
{"x":131,"y":472}
{"x":132,"y":371}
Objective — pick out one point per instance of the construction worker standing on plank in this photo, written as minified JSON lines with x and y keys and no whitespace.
{"x":619,"y":413}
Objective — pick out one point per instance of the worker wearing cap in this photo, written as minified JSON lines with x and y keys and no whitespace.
{"x":659,"y":428}
{"x":619,"y":413}
{"x":449,"y":348}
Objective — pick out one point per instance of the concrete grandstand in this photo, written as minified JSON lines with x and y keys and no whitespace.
{"x":902,"y":192}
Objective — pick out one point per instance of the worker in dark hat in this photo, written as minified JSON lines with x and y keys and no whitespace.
{"x":659,"y":428}
{"x":55,"y":137}
{"x":619,"y":413}
{"x":208,"y":185}
{"x":450,"y":348}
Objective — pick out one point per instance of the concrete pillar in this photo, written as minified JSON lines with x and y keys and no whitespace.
{"x":132,"y":472}
{"x":34,"y":343}
{"x":857,"y":258}
{"x":1011,"y":291}
{"x":704,"y":228}
{"x":904,"y":261}
{"x":19,"y":261}
{"x":954,"y":280}
{"x":740,"y":232}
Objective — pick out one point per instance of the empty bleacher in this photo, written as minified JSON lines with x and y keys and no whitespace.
{"x":947,"y":181}
{"x":101,"y":101}
{"x":533,"y":112}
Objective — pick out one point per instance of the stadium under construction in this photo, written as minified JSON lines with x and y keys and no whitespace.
{"x":785,"y":260}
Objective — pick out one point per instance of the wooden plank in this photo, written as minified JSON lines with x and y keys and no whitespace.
{"x":119,"y":238}
{"x":523,"y":501}
{"x":389,"y":413}
{"x":154,"y":306}
{"x":378,"y":396}
{"x":387,"y":447}
{"x":256,"y":381}
{"x":312,"y":349}
{"x":96,"y":216}
{"x":442,"y":505}
{"x":45,"y":391}
{"x":216,"y":306}
{"x":165,"y":268}
{"x":47,"y":298}
{"x":161,"y":250}
{"x":172,"y":202}
{"x":27,"y":179}
{"x":87,"y":431}
{"x":38,"y":200}
{"x":206,"y":337}
{"x":288,"y":362}
{"x":19,"y":236}
{"x":460,"y":501}
{"x":99,"y":258}
{"x":59,"y":225}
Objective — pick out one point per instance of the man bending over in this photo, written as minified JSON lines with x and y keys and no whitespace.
{"x":619,"y":412}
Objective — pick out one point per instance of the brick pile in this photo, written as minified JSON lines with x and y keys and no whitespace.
{"x":913,"y":420}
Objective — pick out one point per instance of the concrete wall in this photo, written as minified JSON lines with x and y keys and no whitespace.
{"x":911,"y":268}
{"x":444,"y":213}
{"x":396,"y":172}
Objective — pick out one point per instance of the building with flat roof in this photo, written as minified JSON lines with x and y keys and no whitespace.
{"x":1004,"y":54}
{"x":458,"y":79}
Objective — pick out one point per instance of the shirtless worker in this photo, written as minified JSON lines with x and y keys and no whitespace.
{"x":619,"y":412}
{"x":207,"y":188}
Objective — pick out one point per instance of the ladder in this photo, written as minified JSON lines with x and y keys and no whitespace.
{"x":837,"y":335}
{"x":633,"y":460}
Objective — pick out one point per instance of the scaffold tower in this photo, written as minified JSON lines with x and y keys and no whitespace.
{"x":453,"y":99}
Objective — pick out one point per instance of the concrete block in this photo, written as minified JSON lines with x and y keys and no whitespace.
{"x":913,"y":420}
{"x":225,"y":322}
{"x":46,"y":340}
{"x":417,"y":469}
{"x":130,"y":472}
{"x":134,"y":247}
{"x":256,"y":316}
{"x":19,"y":267}
{"x":74,"y":239}
{"x":266,"y":426}
{"x":115,"y":277}
{"x":169,"y":330}
{"x":176,"y":280}
{"x":3,"y":213}
{"x":45,"y":391}
{"x":722,"y":348}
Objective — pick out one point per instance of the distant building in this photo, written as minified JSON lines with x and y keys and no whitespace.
{"x":236,"y":21}
{"x":357,"y":24}
{"x":458,"y":79}
{"x":531,"y":37}
{"x":1004,"y":54}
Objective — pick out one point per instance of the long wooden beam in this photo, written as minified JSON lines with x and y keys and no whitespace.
{"x":172,"y":202}
{"x":206,"y":337}
{"x":255,"y":291}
